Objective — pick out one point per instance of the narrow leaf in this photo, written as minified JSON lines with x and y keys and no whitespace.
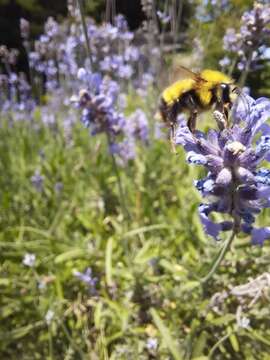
{"x":166,"y":336}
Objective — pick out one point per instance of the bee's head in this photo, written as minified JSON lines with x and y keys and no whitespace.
{"x":228,"y":92}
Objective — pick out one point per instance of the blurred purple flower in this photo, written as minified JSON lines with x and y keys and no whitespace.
{"x":152,"y":344}
{"x":37,"y":181}
{"x":29,"y":260}
{"x":235,"y":184}
{"x":51,"y":27}
{"x":87,"y":278}
{"x":24,"y":28}
{"x":250,"y":42}
{"x":163,"y":17}
{"x":137,"y":125}
{"x":224,"y":62}
{"x":126,"y":150}
{"x":58,"y":187}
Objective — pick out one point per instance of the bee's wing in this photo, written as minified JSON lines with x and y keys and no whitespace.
{"x":185,"y":73}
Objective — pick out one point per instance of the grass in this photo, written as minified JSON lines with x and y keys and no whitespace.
{"x":148,"y":269}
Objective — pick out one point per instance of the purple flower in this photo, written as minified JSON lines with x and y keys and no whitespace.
{"x":164,"y":18}
{"x":137,"y":125}
{"x":101,"y":115}
{"x":152,"y":344}
{"x":126,"y":150}
{"x":37,"y":181}
{"x":87,"y":278}
{"x":235,"y":183}
{"x":125,"y":71}
{"x":231,"y":40}
{"x":51,"y":27}
{"x":250,"y":42}
{"x":29,"y":260}
{"x":25,"y":28}
{"x":132,"y":53}
{"x":224,"y":62}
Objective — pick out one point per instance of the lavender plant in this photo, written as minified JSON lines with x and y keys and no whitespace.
{"x":60,"y":52}
{"x":15,"y":90}
{"x":236,"y":184}
{"x":101,"y":114}
{"x":246,"y":47}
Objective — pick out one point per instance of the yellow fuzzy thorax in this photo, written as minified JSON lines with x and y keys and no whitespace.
{"x":173,"y":92}
{"x":215,"y":77}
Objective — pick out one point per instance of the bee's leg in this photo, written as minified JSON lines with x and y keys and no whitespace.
{"x":223,"y":109}
{"x":173,"y":123}
{"x":172,"y":137}
{"x":193,"y":114}
{"x":226,"y":109}
{"x":192,"y":120}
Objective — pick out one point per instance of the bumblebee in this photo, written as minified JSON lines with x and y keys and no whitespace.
{"x":196,"y":93}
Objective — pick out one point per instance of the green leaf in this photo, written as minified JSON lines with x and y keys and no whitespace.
{"x":234,"y":342}
{"x":22,"y":331}
{"x":145,"y":254}
{"x":166,"y":336}
{"x":223,"y":320}
{"x":253,"y":334}
{"x":190,"y":285}
{"x":4,"y":282}
{"x":145,"y":229}
{"x":199,"y":346}
{"x":69,"y":255}
{"x":108,"y":262}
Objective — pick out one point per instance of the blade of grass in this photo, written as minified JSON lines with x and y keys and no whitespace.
{"x":108,"y":262}
{"x":166,"y":336}
{"x":145,"y":229}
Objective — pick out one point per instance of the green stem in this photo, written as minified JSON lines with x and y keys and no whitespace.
{"x":220,"y":257}
{"x":245,"y":73}
{"x":72,"y":342}
{"x":120,"y":189}
{"x":80,"y":3}
{"x":232,"y":67}
{"x":119,"y":183}
{"x":220,"y":341}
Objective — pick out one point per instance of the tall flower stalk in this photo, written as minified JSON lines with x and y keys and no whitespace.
{"x":235,"y":184}
{"x":87,"y":44}
{"x":247,"y":47}
{"x":101,"y":114}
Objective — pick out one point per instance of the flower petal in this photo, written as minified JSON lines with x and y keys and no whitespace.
{"x":207,"y":147}
{"x":185,"y":138}
{"x":211,"y":228}
{"x":244,"y":175}
{"x":224,"y":177}
{"x":214,"y":163}
{"x":205,"y":186}
{"x":263,"y":176}
{"x":259,"y":235}
{"x":263,"y":147}
{"x":194,"y":158}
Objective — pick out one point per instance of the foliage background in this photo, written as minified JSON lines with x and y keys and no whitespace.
{"x":148,"y":268}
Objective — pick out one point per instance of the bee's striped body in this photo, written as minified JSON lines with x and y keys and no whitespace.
{"x":195,"y":94}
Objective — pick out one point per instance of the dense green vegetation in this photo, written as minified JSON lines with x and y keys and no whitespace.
{"x":148,"y":267}
{"x":106,"y":260}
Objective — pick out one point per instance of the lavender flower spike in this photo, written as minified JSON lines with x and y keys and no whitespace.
{"x":235,"y":184}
